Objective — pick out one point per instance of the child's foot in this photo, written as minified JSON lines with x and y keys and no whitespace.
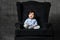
{"x":36,"y":27}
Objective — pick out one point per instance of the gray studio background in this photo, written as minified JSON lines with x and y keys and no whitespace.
{"x":8,"y":17}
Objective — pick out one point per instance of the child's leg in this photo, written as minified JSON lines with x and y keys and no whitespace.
{"x":36,"y":27}
{"x":30,"y":27}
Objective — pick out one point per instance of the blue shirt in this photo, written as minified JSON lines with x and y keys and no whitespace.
{"x":30,"y":22}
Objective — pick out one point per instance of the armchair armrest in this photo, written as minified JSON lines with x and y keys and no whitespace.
{"x":50,"y":27}
{"x":18,"y":25}
{"x":50,"y":24}
{"x":47,"y":25}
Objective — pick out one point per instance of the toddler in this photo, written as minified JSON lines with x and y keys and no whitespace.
{"x":31,"y":22}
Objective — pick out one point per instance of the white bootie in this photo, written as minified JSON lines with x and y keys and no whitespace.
{"x":36,"y":27}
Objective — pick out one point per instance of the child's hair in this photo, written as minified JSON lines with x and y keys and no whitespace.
{"x":31,"y":12}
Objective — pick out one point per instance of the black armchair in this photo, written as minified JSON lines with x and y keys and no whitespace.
{"x":42,"y":11}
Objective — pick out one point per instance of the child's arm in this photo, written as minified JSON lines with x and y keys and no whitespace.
{"x":25,"y":23}
{"x":35,"y":23}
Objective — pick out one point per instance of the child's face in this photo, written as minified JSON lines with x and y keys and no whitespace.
{"x":31,"y":15}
